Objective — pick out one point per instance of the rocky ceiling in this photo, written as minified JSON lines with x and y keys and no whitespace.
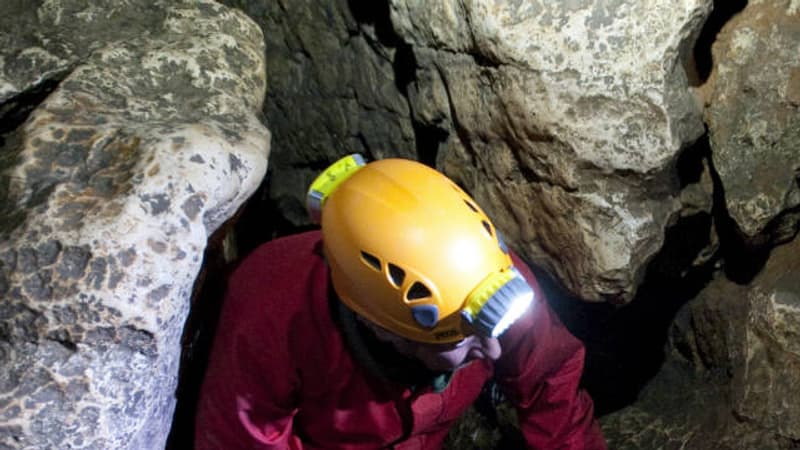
{"x":643,"y":155}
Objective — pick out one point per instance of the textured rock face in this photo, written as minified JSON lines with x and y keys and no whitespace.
{"x":107,"y":194}
{"x":565,"y":122}
{"x":741,"y":343}
{"x":536,"y":109}
{"x":754,"y":118}
{"x":333,"y":91}
{"x":765,"y":382}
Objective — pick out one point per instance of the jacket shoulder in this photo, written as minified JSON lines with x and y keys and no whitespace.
{"x":283,"y":276}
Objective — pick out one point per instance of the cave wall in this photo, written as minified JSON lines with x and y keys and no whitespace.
{"x":130,"y":132}
{"x":643,"y":155}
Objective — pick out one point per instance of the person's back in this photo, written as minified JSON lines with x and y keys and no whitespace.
{"x":312,"y":352}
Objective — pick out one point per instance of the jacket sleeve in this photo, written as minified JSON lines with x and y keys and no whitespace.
{"x":247,"y":397}
{"x":539,"y":372}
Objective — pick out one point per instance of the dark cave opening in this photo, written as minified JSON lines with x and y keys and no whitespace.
{"x":703,"y":59}
{"x":625,"y":345}
{"x":15,"y":110}
{"x":13,"y":113}
{"x":429,"y":138}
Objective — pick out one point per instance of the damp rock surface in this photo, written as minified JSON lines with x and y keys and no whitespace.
{"x":334,"y":90}
{"x":767,"y":372}
{"x":146,"y":141}
{"x":731,"y":377}
{"x":565,"y":120}
{"x":754,"y":119}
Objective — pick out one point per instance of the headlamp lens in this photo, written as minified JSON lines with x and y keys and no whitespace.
{"x":498,"y":302}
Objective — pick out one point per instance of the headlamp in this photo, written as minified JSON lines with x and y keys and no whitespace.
{"x":497,"y":302}
{"x":328,"y":181}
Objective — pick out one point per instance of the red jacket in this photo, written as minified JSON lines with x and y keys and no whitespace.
{"x":280,"y":375}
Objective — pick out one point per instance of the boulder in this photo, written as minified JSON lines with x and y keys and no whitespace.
{"x":334,"y":89}
{"x":730,"y":381}
{"x":767,"y":372}
{"x":565,"y":121}
{"x":145,"y":139}
{"x":753,"y":115}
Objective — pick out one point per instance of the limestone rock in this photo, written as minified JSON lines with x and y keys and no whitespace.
{"x":683,"y":409}
{"x":765,"y":383}
{"x":741,"y":343}
{"x":564,"y":120}
{"x":107,"y":195}
{"x":333,"y":91}
{"x":754,"y":118}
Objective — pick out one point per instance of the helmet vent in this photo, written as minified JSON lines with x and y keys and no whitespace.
{"x":418,"y":291}
{"x":471,"y":205}
{"x":488,"y":227}
{"x":396,"y":275}
{"x":371,"y":260}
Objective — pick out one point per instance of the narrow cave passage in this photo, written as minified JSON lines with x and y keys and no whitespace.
{"x":626,"y":346}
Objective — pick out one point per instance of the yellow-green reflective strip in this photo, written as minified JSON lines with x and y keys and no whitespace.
{"x":335,"y":174}
{"x":485,"y":290}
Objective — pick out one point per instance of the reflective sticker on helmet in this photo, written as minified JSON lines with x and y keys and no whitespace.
{"x":425,"y":315}
{"x":502,"y":243}
{"x":329,"y":180}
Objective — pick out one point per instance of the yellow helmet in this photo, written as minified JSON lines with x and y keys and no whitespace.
{"x":412,"y":252}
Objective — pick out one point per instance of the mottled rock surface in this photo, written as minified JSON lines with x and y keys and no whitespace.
{"x":147,"y":141}
{"x":565,"y":121}
{"x":333,"y":90}
{"x":537,"y":109}
{"x":683,"y":409}
{"x":731,"y":382}
{"x":766,"y":378}
{"x":754,"y":118}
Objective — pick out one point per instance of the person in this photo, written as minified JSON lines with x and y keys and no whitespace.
{"x":379,"y":329}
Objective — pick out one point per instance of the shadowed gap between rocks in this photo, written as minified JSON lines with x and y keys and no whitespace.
{"x":257,"y":221}
{"x":626,"y":345}
{"x":703,"y":59}
{"x":198,"y":334}
{"x":13,"y":113}
{"x":742,"y":259}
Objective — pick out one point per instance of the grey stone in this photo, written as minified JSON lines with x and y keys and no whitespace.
{"x":766,"y":378}
{"x":47,"y":252}
{"x":681,"y":408}
{"x":130,"y":93}
{"x":737,"y":347}
{"x":566,"y":133}
{"x":333,"y":91}
{"x":754,"y":118}
{"x":73,"y":262}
